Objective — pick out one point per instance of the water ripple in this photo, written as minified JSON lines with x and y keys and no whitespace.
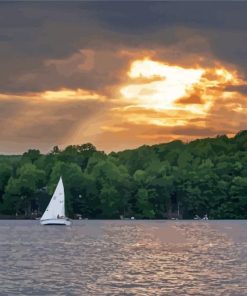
{"x":124,"y":258}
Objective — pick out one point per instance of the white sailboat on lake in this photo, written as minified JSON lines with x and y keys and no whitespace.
{"x":55,"y":211}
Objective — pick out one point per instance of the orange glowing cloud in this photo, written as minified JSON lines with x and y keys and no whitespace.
{"x":61,"y":95}
{"x":172,"y":84}
{"x":176,"y":88}
{"x":69,"y":94}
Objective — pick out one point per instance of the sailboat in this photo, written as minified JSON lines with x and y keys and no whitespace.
{"x":55,"y":211}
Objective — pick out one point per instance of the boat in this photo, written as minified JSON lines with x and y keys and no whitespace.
{"x":55,"y":211}
{"x":199,"y":218}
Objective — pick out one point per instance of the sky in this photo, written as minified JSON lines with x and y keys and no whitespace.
{"x":120,"y":74}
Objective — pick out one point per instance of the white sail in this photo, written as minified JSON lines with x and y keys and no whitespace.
{"x":56,"y":207}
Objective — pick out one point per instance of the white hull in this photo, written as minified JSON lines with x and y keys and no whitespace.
{"x":60,"y":221}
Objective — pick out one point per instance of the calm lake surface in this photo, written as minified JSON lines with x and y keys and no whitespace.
{"x":124,"y":258}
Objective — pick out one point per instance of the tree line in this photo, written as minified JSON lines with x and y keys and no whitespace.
{"x":205,"y":176}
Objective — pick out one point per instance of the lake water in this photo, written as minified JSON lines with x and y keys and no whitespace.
{"x":124,"y":258}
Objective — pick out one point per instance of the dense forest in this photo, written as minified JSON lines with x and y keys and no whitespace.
{"x":206,"y":176}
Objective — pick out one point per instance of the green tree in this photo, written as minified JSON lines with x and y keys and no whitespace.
{"x":20,"y":190}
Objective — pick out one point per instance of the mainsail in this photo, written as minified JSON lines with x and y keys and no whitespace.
{"x":56,"y":206}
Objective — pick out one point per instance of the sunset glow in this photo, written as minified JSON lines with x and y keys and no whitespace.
{"x":159,"y":86}
{"x":84,"y":75}
{"x":62,"y":95}
{"x":69,"y":94}
{"x":168,"y":83}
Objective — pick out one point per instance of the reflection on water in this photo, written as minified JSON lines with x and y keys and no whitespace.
{"x":124,"y":258}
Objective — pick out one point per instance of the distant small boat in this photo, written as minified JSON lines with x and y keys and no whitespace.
{"x":55,"y":211}
{"x":199,"y":218}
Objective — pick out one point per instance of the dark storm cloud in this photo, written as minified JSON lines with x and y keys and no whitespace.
{"x":128,"y":17}
{"x":33,"y":32}
{"x":56,"y":31}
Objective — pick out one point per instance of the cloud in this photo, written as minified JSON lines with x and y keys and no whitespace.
{"x":83,"y":61}
{"x":63,"y":66}
{"x":80,"y":46}
{"x":242,"y":89}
